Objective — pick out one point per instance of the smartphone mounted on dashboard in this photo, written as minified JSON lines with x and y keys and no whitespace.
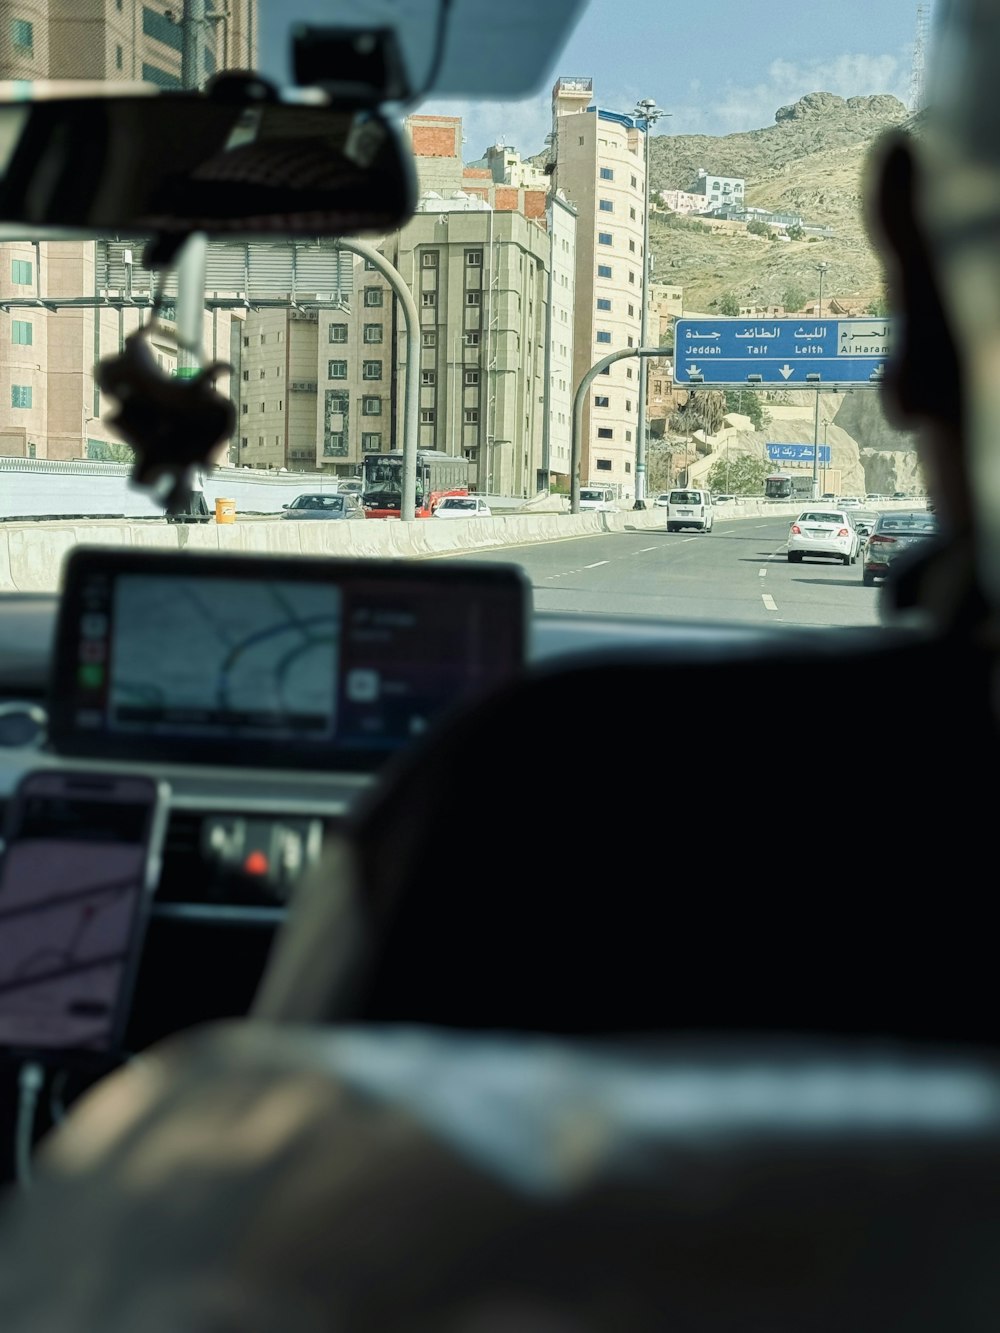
{"x":80,"y":864}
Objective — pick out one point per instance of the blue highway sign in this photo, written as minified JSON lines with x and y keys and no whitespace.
{"x":797,"y":353}
{"x":798,"y":453}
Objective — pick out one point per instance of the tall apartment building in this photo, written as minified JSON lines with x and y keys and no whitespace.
{"x":49,"y":406}
{"x":478,"y":268}
{"x":562,"y":226}
{"x":599,"y":166}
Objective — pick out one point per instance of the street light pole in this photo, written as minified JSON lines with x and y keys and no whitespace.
{"x":821,"y":270}
{"x":649,"y":113}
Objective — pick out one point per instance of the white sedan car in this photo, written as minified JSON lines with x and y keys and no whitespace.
{"x":462,"y":506}
{"x":824,"y":531}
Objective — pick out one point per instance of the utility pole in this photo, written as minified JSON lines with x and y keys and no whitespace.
{"x":821,"y":270}
{"x":649,"y":113}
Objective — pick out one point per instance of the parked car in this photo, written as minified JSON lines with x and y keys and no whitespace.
{"x":849,"y":501}
{"x":892,"y":536}
{"x":823,"y":532}
{"x":724,"y":499}
{"x":462,"y":506}
{"x":324,"y":505}
{"x":690,"y":509}
{"x":662,"y":500}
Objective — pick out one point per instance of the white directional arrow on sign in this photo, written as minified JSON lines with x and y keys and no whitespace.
{"x":786,"y":370}
{"x":693,"y":370}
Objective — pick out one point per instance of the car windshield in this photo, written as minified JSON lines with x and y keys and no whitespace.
{"x":616,"y":297}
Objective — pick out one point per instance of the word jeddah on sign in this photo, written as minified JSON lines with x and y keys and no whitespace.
{"x":801,"y":354}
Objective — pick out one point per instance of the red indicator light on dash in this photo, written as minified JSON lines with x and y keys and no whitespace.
{"x":256,"y":864}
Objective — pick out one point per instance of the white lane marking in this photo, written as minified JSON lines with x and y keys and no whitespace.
{"x":769,"y":601}
{"x":597,"y":564}
{"x":643,"y":549}
{"x":762,"y":573}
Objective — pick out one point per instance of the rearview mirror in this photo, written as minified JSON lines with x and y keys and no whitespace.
{"x":173,"y":163}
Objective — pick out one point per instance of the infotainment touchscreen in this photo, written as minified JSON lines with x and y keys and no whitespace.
{"x":282,"y":662}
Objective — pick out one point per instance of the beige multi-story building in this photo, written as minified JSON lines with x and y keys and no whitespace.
{"x":49,"y":404}
{"x":478,"y":268}
{"x":562,"y":226}
{"x":599,"y":165}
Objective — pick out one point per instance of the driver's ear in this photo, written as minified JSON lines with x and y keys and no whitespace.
{"x":922,"y":381}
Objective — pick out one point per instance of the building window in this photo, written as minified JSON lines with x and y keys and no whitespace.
{"x":373,"y":296}
{"x":20,"y":395}
{"x":245,"y":409}
{"x":373,"y":333}
{"x":603,"y":238}
{"x":607,"y":174}
{"x":21,"y":332}
{"x":631,"y":214}
{"x":260,"y":441}
{"x":429,"y":259}
{"x":602,"y":400}
{"x":628,"y":404}
{"x":371,"y":407}
{"x":605,"y":205}
{"x":246,"y":341}
{"x":263,"y":407}
{"x":605,"y":433}
{"x":427,"y":416}
{"x":336,"y":370}
{"x":604,"y":270}
{"x":429,"y":338}
{"x":263,"y":372}
{"x":631,"y":246}
{"x":263,"y":338}
{"x":474,"y":258}
{"x":428,"y":298}
{"x":20,"y":272}
{"x":604,"y":465}
{"x":370,"y":265}
{"x":428,"y":378}
{"x":631,"y":277}
{"x":635,"y":183}
{"x":119,"y":57}
{"x":630,"y":342}
{"x":628,"y":440}
{"x":603,"y":303}
{"x":472,"y":298}
{"x":472,"y":377}
{"x":472,"y":338}
{"x":371,"y":370}
{"x":471,"y":416}
{"x":631,"y":309}
{"x":371,"y":442}
{"x":246,"y":374}
{"x":603,"y":336}
{"x":338,"y":333}
{"x":244,"y":442}
{"x":22,"y":36}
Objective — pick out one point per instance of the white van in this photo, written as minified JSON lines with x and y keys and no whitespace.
{"x":596,"y":498}
{"x":690,"y":508}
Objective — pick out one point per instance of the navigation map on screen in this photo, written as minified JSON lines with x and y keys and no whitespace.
{"x":224,"y":656}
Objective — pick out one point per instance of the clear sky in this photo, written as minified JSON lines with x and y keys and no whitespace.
{"x":716,"y":66}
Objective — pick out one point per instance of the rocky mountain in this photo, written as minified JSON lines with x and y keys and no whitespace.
{"x":811,"y":162}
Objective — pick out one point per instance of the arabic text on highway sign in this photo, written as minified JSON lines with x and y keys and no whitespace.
{"x":781,"y":351}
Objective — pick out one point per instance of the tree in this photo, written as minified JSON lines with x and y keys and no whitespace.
{"x":748,"y":402}
{"x":794,"y":298}
{"x":110,"y":451}
{"x":796,"y":233}
{"x":879,"y":307}
{"x":740,"y":474}
{"x":758,"y":228}
{"x":729,"y":304}
{"x":703,"y":410}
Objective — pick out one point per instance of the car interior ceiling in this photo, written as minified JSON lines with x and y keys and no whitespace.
{"x":463,"y":1050}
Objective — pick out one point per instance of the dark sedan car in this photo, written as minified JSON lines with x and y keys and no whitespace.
{"x":325,"y":505}
{"x":893,"y":535}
